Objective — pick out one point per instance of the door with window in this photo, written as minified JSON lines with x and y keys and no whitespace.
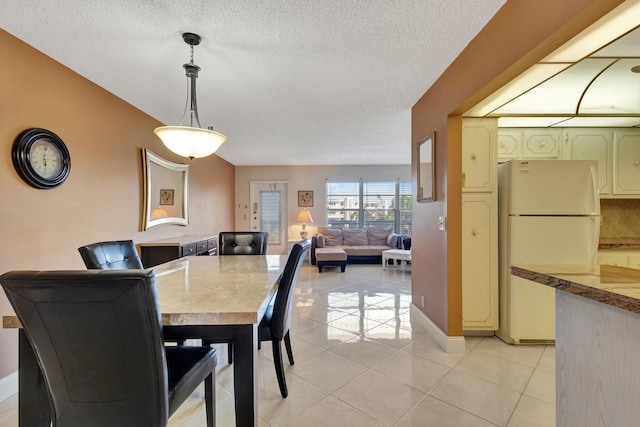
{"x":269,"y":213}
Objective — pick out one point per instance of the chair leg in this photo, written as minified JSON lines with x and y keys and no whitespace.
{"x":277,"y":360}
{"x":287,"y":345}
{"x":210,"y":400}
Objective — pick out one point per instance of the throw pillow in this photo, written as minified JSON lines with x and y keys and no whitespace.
{"x":392,"y":240}
{"x":378,"y":235}
{"x":332,"y":236}
{"x":354,"y":237}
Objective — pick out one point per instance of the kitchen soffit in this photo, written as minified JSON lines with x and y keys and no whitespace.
{"x":600,"y":89}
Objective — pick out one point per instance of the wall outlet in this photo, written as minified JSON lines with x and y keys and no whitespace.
{"x":442,"y":223}
{"x":422,"y":300}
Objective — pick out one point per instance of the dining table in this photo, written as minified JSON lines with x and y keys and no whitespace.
{"x":221,"y":298}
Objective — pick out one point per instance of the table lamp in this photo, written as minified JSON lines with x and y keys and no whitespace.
{"x":158,"y":213}
{"x":304,"y":216}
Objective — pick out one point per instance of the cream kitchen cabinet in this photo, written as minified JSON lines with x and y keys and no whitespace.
{"x":509,"y":144}
{"x":529,"y":143}
{"x":592,"y":144}
{"x":626,"y":162}
{"x":479,"y":225}
{"x":479,"y":262}
{"x":479,"y":165}
{"x":621,"y":258}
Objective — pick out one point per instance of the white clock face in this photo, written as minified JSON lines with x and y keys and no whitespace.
{"x":46,"y":158}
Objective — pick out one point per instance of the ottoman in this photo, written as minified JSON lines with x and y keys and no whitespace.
{"x":331,"y":256}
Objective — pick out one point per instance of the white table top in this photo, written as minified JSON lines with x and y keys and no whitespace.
{"x":396,"y":252}
{"x":212,"y":290}
{"x":217,"y":290}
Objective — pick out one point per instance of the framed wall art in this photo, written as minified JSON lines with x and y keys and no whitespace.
{"x":305,"y":199}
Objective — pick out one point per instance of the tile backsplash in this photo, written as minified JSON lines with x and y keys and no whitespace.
{"x":620,"y":218}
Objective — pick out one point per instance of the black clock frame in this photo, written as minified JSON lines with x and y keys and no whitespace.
{"x":22,"y":162}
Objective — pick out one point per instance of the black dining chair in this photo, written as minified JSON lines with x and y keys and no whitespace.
{"x":243,"y":242}
{"x":274,"y":326}
{"x":111,"y":255}
{"x":97,"y":337}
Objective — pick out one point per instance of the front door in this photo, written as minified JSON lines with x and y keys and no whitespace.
{"x":269,"y":213}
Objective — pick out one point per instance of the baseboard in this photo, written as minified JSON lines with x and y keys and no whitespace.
{"x":447,"y":343}
{"x":8,"y":385}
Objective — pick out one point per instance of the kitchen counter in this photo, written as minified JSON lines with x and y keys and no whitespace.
{"x":608,"y":284}
{"x":597,"y":342}
{"x":631,"y":243}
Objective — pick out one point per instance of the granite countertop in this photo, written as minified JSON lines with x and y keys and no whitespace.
{"x":622,"y":243}
{"x":608,"y":284}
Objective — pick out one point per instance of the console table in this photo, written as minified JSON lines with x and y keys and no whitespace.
{"x":160,"y":251}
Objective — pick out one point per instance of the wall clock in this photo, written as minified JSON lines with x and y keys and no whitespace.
{"x":41,"y":158}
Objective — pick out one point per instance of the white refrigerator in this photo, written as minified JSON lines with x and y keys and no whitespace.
{"x":548,"y":213}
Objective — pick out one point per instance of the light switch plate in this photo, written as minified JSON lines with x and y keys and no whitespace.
{"x":442,"y":223}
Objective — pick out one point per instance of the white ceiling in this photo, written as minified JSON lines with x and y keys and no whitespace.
{"x":290,"y":82}
{"x":592,"y":80}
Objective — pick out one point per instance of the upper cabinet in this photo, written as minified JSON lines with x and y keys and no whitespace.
{"x":529,"y":143}
{"x":592,"y":144}
{"x":616,"y":150}
{"x":626,"y":162}
{"x":479,"y":168}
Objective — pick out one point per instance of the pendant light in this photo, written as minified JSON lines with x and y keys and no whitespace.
{"x":189,"y":139}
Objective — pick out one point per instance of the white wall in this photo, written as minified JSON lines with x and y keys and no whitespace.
{"x":307,"y":178}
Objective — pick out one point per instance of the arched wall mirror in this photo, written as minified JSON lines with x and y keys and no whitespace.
{"x":426,"y":173}
{"x":166,"y":190}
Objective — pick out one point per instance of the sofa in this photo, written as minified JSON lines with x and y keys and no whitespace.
{"x":362,"y":245}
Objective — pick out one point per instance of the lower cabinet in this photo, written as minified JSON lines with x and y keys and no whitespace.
{"x":479,"y":262}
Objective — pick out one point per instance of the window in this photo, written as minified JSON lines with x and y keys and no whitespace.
{"x":366,"y":204}
{"x":270,"y":220}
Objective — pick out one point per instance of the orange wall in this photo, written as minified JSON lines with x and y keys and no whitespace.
{"x":102,"y":198}
{"x":521,"y":33}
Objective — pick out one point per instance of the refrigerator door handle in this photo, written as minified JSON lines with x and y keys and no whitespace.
{"x":596,"y":190}
{"x":596,"y":240}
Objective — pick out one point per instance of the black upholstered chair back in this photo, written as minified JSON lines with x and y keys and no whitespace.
{"x":243,"y":243}
{"x":115,"y":255}
{"x":281,"y":317}
{"x":97,"y":337}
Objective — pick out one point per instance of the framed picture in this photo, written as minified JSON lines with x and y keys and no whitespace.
{"x":166,"y":197}
{"x":305,"y":199}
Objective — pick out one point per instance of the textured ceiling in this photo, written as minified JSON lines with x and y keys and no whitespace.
{"x":290,"y":82}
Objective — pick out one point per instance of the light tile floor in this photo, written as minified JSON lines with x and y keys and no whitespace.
{"x":361,"y":361}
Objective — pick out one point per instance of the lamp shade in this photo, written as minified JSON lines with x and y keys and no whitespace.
{"x":304,"y":216}
{"x":190,"y":141}
{"x":158,"y":213}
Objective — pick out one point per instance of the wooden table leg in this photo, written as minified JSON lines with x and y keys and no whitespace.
{"x":33,"y":397}
{"x":245,"y":371}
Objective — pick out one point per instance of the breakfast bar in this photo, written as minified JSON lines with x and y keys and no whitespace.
{"x":597,"y":342}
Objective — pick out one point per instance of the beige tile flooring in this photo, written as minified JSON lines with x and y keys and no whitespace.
{"x":361,"y":361}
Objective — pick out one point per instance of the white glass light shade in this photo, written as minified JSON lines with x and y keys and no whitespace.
{"x":189,"y":141}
